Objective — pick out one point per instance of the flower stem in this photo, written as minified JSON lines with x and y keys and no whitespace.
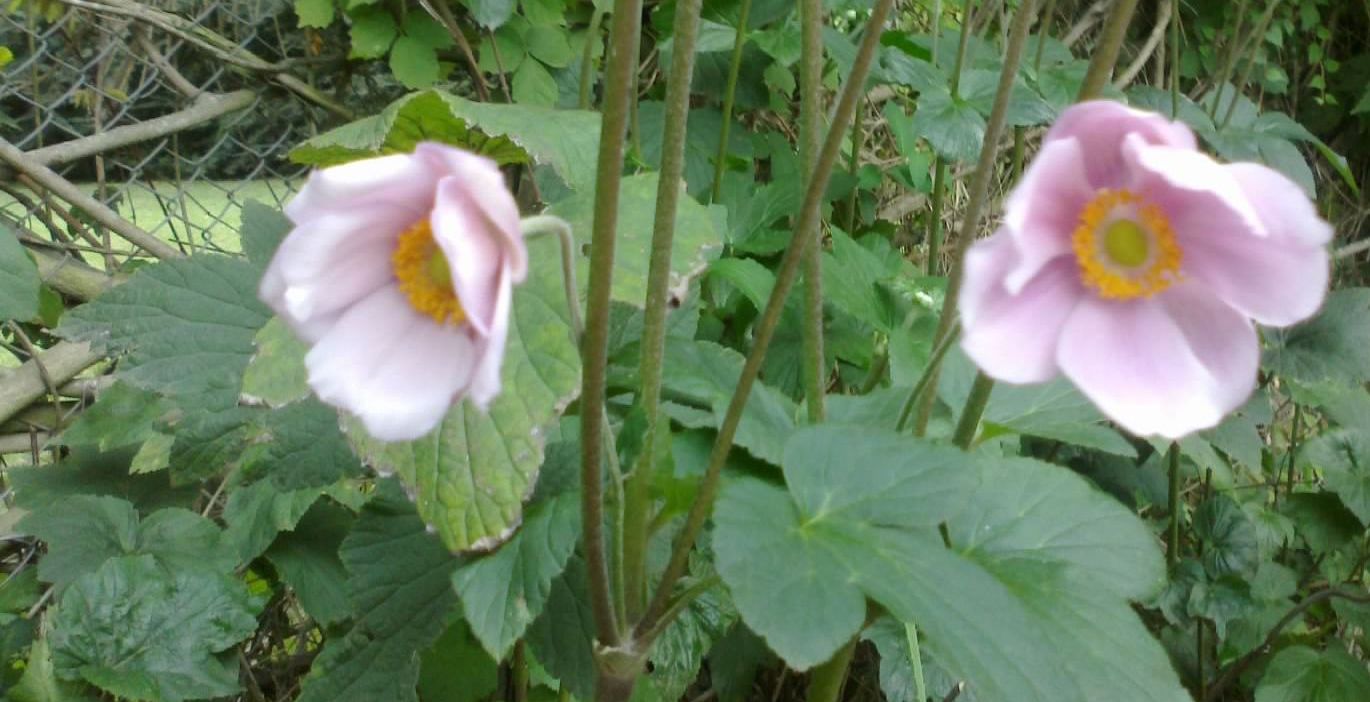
{"x":979,"y":193}
{"x":765,"y":327}
{"x":542,"y":225}
{"x":587,"y":58}
{"x":1174,"y":59}
{"x":619,"y":89}
{"x":920,"y":688}
{"x":1106,"y":51}
{"x":973,"y":409}
{"x":1047,"y":12}
{"x":939,"y":178}
{"x":811,"y":140}
{"x":729,"y":93}
{"x":934,"y":361}
{"x":637,"y":498}
{"x":1172,"y":552}
{"x":825,"y":682}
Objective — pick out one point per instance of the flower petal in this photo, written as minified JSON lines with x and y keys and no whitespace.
{"x":474,"y":252}
{"x":1197,"y":194}
{"x":1281,"y":204}
{"x":484,"y":189}
{"x":329,"y":263}
{"x":485,"y":383}
{"x":1013,"y":337}
{"x":392,"y":367}
{"x":398,"y":181}
{"x":1101,"y":125}
{"x":1169,"y":365}
{"x":1041,"y":214}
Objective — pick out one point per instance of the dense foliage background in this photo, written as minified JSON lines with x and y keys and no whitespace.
{"x":183,"y":521}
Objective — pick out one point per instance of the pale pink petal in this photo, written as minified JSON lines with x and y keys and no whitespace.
{"x":1012,"y":337}
{"x":483,"y":187}
{"x":1101,"y":125}
{"x":1197,"y":194}
{"x":1243,"y":235}
{"x":474,"y":253}
{"x":1169,"y":365}
{"x":1041,"y":214}
{"x":485,"y":383}
{"x":392,"y":367}
{"x":329,"y":263}
{"x":398,"y":181}
{"x":1281,"y":205}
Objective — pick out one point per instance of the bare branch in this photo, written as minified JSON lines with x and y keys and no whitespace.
{"x":1152,"y":41}
{"x":97,"y":210}
{"x":68,"y":274}
{"x":1091,"y":17}
{"x":25,"y":384}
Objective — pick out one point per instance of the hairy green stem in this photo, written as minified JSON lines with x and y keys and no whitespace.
{"x":975,"y":405}
{"x":1019,"y":137}
{"x":939,"y":189}
{"x":920,"y":688}
{"x":825,"y":682}
{"x":729,"y":93}
{"x":1172,"y":551}
{"x":929,"y":372}
{"x":810,"y":141}
{"x":1106,"y":51}
{"x":637,"y":494}
{"x":1245,"y":74}
{"x":1229,"y":61}
{"x":979,"y":193}
{"x":1047,"y":12}
{"x":619,"y":91}
{"x":1174,"y":59}
{"x":853,"y":167}
{"x":764,"y":330}
{"x":588,"y":70}
{"x":543,"y":225}
{"x":519,"y":668}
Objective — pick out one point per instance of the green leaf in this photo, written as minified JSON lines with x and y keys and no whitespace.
{"x":1344,"y":458}
{"x":276,"y":374}
{"x":747,"y":275}
{"x":566,"y":140}
{"x":263,"y":228}
{"x":303,"y":448}
{"x":1052,"y":410}
{"x":1325,"y":524}
{"x":562,"y":638}
{"x":307,"y":558}
{"x":137,"y":631}
{"x":39,"y":682}
{"x":503,"y":592}
{"x":88,"y":472}
{"x":1229,"y":538}
{"x":122,"y":415}
{"x":83,"y":532}
{"x":256,"y":513}
{"x":1335,"y":345}
{"x":677,"y":655}
{"x":1301,"y":674}
{"x":503,"y":51}
{"x":19,"y":282}
{"x":373,"y":31}
{"x":421,"y":27}
{"x":703,"y":130}
{"x":533,"y":85}
{"x":414,"y":63}
{"x":471,"y":474}
{"x":549,"y":45}
{"x":314,"y":13}
{"x":953,"y":127}
{"x":698,"y":238}
{"x":456,"y":669}
{"x":490,"y":14}
{"x":185,"y":325}
{"x":400,"y":587}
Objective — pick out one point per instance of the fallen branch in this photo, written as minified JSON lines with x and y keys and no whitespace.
{"x":24,"y":385}
{"x":1152,"y":41}
{"x":1091,"y":17}
{"x":97,"y":210}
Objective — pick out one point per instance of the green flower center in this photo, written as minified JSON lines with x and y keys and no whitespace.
{"x":1126,"y":243}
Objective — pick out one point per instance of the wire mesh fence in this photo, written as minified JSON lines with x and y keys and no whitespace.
{"x":78,"y":72}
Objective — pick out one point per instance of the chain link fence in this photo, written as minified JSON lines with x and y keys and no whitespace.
{"x":77,"y":73}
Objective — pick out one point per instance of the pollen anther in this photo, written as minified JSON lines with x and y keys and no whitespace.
{"x":1125,"y":246}
{"x":424,"y":276}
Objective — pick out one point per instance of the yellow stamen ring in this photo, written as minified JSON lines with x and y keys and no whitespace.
{"x":424,"y":276}
{"x":1125,"y":246}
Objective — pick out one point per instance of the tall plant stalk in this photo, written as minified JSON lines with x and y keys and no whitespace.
{"x":764,"y":331}
{"x":637,"y":498}
{"x":730,"y":94}
{"x":1106,"y":52}
{"x":620,"y":81}
{"x":939,"y":178}
{"x":979,"y":194}
{"x":810,"y":141}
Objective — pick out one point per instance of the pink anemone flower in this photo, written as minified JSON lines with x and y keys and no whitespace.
{"x":1134,"y":264}
{"x":398,"y":274}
